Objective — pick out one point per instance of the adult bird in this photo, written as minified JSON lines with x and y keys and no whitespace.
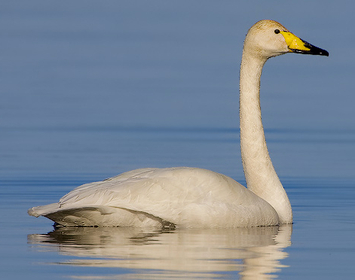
{"x":192,"y":197}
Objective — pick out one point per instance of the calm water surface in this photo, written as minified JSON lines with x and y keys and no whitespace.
{"x":91,"y":89}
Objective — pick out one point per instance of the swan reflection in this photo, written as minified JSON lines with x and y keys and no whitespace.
{"x":253,"y":253}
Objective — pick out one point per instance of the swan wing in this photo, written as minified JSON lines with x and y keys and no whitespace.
{"x":187,"y":197}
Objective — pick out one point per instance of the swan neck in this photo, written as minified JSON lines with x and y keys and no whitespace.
{"x":259,"y":171}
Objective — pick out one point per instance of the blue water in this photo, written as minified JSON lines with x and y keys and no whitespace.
{"x":90,"y":89}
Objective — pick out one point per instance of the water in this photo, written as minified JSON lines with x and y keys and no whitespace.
{"x":91,"y":89}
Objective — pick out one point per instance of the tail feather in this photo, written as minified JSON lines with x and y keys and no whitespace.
{"x":96,"y":216}
{"x":43,"y":210}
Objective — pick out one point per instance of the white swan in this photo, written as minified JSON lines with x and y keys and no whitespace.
{"x":193,"y":197}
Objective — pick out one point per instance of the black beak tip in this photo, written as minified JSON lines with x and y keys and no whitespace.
{"x":315,"y":50}
{"x":324,"y":52}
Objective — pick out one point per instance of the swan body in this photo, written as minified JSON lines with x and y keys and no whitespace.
{"x":193,"y":197}
{"x":187,"y":197}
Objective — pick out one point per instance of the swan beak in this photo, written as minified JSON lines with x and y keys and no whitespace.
{"x":298,"y":45}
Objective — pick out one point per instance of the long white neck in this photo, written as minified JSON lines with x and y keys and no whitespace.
{"x":258,"y":169}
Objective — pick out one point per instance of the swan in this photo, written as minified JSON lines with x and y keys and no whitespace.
{"x":192,"y":197}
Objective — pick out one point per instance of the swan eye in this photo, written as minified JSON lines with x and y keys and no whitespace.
{"x":277,"y":31}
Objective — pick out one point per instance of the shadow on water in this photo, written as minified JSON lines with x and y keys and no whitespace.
{"x":247,"y":253}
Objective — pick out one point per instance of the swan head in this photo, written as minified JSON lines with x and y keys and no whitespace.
{"x":268,"y":38}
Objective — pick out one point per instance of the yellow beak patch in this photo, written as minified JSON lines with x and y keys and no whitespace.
{"x":293,"y":42}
